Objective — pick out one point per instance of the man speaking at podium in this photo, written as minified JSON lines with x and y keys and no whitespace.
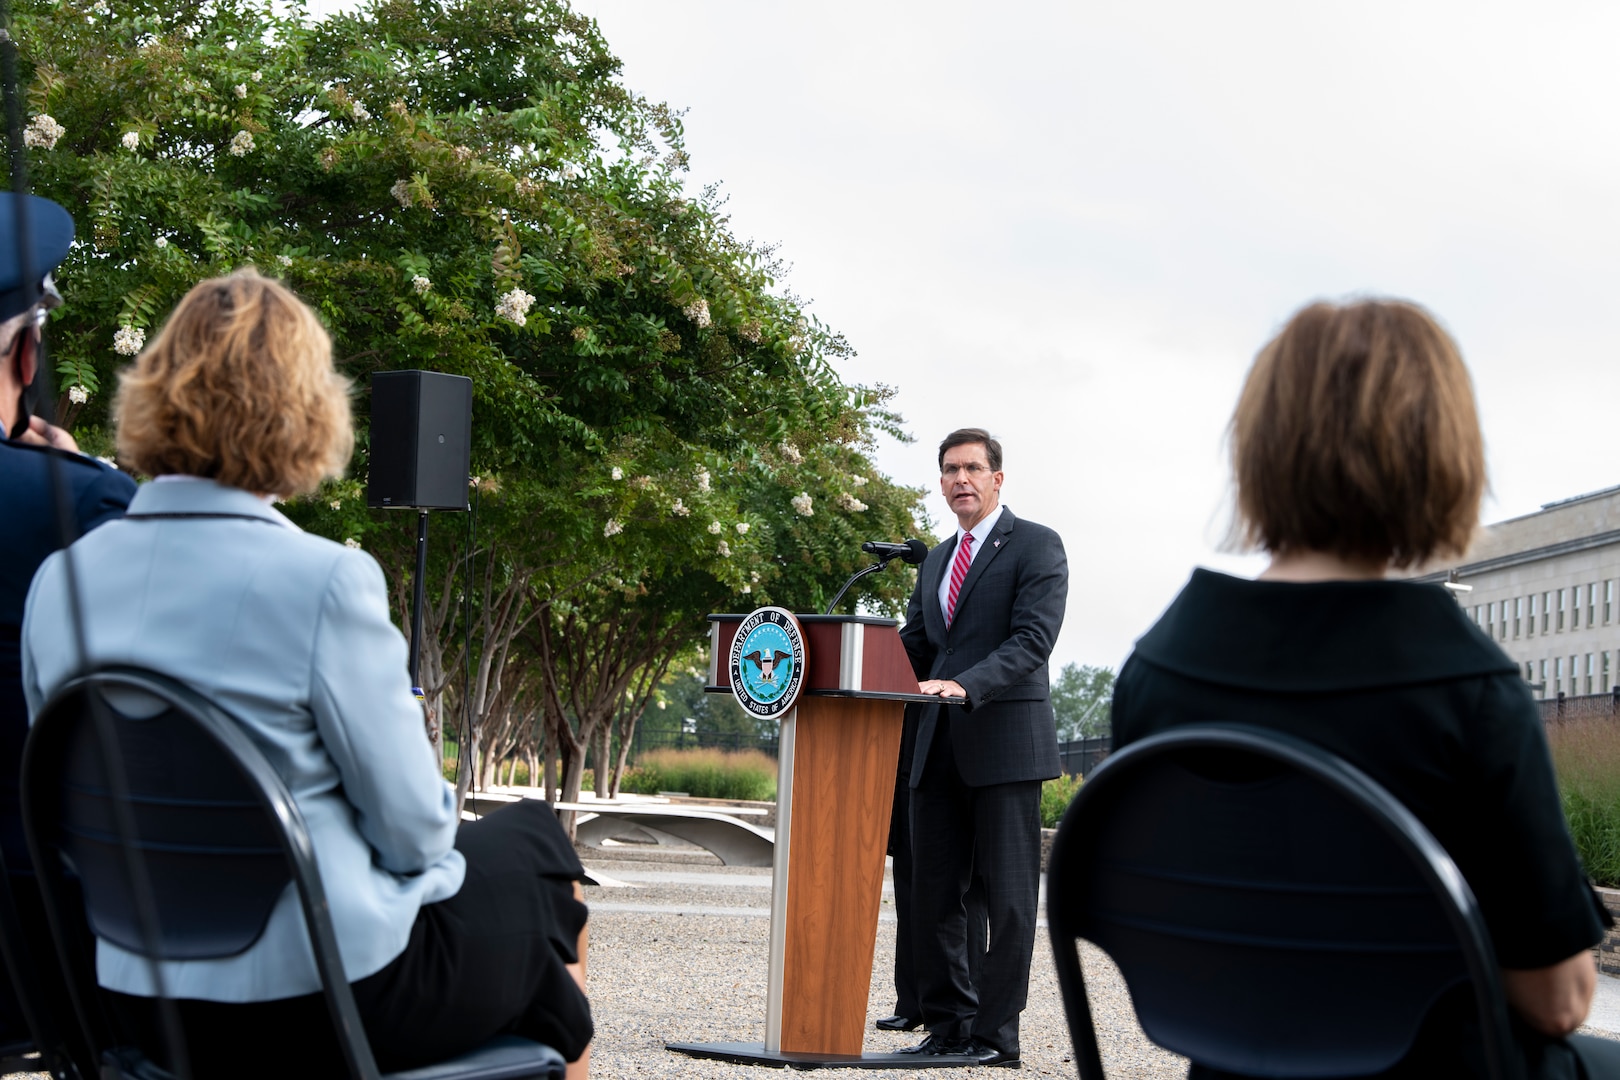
{"x":980,"y":626}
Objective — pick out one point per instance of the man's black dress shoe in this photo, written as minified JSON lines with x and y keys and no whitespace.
{"x":898,"y":1023}
{"x":935,"y":1045}
{"x":990,"y":1056}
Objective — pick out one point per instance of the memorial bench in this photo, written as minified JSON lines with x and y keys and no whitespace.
{"x":736,"y":842}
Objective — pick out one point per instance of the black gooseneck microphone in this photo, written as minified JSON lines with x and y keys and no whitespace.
{"x":912,"y":551}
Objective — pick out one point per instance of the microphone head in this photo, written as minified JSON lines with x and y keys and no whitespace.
{"x":916,"y":552}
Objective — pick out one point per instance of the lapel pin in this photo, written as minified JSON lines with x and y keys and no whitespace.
{"x":995,"y":543}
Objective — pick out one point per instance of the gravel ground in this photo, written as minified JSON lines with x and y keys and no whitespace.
{"x":662,"y":970}
{"x":678,"y":954}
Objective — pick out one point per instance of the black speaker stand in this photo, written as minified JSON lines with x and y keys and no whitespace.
{"x":418,"y":590}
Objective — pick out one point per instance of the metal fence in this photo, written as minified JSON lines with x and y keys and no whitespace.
{"x":1082,"y":755}
{"x":679,"y":737}
{"x":1581,"y":707}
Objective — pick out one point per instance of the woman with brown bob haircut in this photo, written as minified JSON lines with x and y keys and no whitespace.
{"x":449,"y":935}
{"x":1356,"y":448}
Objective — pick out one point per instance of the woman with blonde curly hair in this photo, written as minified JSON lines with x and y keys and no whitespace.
{"x":449,"y":936}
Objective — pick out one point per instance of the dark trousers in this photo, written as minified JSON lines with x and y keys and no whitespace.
{"x":488,"y":960}
{"x":959,"y":833}
{"x":906,"y":1002}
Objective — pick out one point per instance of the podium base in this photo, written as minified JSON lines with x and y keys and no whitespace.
{"x":741,"y":1053}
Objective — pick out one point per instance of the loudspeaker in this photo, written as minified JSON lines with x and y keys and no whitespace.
{"x":421,"y":440}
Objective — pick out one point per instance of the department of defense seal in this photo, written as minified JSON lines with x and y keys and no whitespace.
{"x":767,"y":662}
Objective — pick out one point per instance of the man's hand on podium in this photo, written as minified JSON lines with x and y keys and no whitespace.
{"x":942,"y":687}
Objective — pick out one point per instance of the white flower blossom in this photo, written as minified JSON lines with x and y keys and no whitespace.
{"x":401,"y":191}
{"x":131,"y":140}
{"x":284,"y":260}
{"x":618,"y":473}
{"x":612,"y":528}
{"x":462,"y":153}
{"x":42,"y":132}
{"x":680,"y":510}
{"x":360,"y":112}
{"x":241,"y":144}
{"x":161,"y":242}
{"x":801,"y":504}
{"x":715,"y":528}
{"x":514,"y":306}
{"x":241,"y":89}
{"x":703,"y":479}
{"x":336,"y":504}
{"x":258,"y":76}
{"x":421,"y":284}
{"x":742,"y":528}
{"x":100,"y":8}
{"x":754,"y":576}
{"x":129,"y":340}
{"x":724,"y":549}
{"x":641,"y":483}
{"x":747,"y":588}
{"x":857,"y":481}
{"x":78,"y":395}
{"x":351,"y":542}
{"x":698,"y":312}
{"x":850,"y":502}
{"x":569,"y":172}
{"x":790,"y":454}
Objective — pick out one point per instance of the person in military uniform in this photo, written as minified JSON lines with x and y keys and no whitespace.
{"x":34,"y":456}
{"x":29,"y":529}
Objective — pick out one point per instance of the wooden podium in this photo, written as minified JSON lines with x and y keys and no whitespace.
{"x":837,"y":758}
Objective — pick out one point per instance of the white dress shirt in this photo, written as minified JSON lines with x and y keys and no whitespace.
{"x":981,"y":533}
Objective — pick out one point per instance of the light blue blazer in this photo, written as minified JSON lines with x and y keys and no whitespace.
{"x":289,"y":633}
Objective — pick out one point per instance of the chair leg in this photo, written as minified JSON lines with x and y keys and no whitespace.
{"x":1076,"y":1007}
{"x":581,"y":1069}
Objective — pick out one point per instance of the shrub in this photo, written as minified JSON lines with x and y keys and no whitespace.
{"x":1586,"y":756}
{"x":704,"y":773}
{"x":1055,"y":798}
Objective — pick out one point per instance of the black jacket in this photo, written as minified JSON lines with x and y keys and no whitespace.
{"x":1008,"y":614}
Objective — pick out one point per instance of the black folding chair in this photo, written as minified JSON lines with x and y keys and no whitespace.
{"x":1274,"y":911}
{"x":218,"y":837}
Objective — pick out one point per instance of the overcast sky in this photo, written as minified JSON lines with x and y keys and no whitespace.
{"x":1075,"y":224}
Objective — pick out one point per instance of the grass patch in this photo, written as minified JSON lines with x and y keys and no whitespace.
{"x":1055,"y":798}
{"x":1586,"y":756}
{"x":705,"y":774}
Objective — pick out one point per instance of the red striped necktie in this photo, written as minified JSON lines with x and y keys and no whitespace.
{"x":959,"y":569}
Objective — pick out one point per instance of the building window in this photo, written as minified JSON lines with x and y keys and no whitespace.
{"x":1574,"y":614}
{"x":1591,"y":670}
{"x":1530,"y":627}
{"x":1558,"y":675}
{"x":1518,"y":614}
{"x":1591,"y":604}
{"x":1563,"y":604}
{"x":1543,"y":667}
{"x":1546,"y":610}
{"x":1605,"y":666}
{"x":1608,"y":601}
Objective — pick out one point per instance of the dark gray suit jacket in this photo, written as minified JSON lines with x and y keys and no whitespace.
{"x":1008,"y":615}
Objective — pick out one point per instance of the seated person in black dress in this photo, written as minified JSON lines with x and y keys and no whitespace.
{"x":1356,"y":449}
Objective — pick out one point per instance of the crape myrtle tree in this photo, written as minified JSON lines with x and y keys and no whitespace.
{"x":467,"y":187}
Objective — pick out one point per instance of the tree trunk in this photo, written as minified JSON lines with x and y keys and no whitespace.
{"x":602,"y":751}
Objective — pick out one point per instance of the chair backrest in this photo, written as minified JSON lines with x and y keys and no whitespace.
{"x":182,"y":834}
{"x":1273,"y":910}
